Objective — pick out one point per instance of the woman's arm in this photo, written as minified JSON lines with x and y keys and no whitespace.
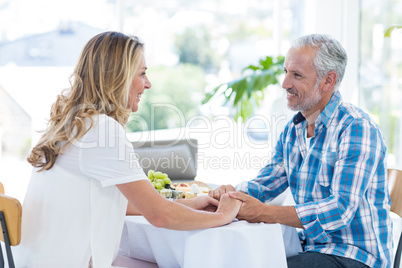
{"x":131,"y":210}
{"x":161,"y":212}
{"x":205,"y":203}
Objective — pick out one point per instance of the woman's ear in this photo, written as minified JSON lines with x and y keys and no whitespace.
{"x":329,"y":80}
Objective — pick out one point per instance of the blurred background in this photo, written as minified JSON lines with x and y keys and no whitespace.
{"x":192,"y":47}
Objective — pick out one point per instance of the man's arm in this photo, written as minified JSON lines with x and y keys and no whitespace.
{"x":354,"y":168}
{"x":358,"y":166}
{"x":254,"y":210}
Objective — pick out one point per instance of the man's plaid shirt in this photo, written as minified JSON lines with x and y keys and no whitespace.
{"x":339,"y":183}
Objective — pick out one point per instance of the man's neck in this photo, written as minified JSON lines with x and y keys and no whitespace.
{"x":312,"y":114}
{"x":310,"y":118}
{"x":310,"y":130}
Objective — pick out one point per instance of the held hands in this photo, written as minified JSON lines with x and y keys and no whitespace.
{"x":203,"y":202}
{"x":229,"y":207}
{"x":218,"y":192}
{"x":251,"y":209}
{"x":246,"y":208}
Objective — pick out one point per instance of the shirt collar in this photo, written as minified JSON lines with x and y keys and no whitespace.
{"x":326,"y":115}
{"x":298,"y":118}
{"x":329,"y":111}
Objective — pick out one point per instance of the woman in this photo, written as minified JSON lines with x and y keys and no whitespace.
{"x":85,"y":169}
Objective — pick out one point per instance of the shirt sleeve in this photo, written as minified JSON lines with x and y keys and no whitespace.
{"x":107,"y":156}
{"x":361,"y":150}
{"x":271,"y":180}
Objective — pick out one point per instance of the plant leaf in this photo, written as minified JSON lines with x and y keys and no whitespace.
{"x":251,"y":67}
{"x":209,"y":95}
{"x":247,"y":92}
{"x":391,"y":29}
{"x":266,"y":63}
{"x":239,"y":88}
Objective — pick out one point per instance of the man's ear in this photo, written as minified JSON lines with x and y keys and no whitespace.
{"x":329,"y":81}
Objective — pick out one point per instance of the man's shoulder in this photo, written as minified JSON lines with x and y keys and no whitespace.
{"x":352,"y":117}
{"x":350,"y":112}
{"x":296,"y":119}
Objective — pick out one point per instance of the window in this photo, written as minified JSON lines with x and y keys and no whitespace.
{"x":40,"y":42}
{"x":381,"y":71}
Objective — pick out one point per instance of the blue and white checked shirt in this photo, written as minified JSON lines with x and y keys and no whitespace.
{"x":339,"y":183}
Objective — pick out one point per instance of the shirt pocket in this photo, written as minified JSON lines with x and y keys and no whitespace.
{"x":325,"y":174}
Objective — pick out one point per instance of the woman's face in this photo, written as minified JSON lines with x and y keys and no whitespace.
{"x":138,"y":85}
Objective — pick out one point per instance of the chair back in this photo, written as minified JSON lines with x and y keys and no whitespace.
{"x":1,"y":188}
{"x":12,"y":212}
{"x":395,"y":184}
{"x":176,"y":157}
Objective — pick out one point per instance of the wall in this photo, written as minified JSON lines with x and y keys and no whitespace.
{"x":340,"y":19}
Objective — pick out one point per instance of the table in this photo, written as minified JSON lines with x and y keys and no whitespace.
{"x":238,"y":244}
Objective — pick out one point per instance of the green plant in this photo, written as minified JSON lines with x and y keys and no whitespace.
{"x":171,"y":97}
{"x":391,"y":29}
{"x":246,"y":93}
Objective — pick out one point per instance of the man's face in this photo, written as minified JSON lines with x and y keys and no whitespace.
{"x":303,"y":93}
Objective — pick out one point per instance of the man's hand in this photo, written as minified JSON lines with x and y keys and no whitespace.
{"x":251,"y":209}
{"x":218,"y":192}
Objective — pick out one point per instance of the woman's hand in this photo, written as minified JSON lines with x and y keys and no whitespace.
{"x":202,"y":202}
{"x":158,"y":210}
{"x":229,"y":207}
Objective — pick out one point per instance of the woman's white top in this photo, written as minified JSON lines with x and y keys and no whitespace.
{"x":73,"y":214}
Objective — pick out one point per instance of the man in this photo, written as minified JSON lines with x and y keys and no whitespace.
{"x":332,"y":157}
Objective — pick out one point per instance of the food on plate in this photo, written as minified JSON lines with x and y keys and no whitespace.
{"x":159,"y":180}
{"x":192,"y":189}
{"x":183,"y":189}
{"x":202,"y":187}
{"x":177,"y":194}
{"x":177,"y":190}
{"x":204,"y":190}
{"x":200,"y":184}
{"x":190,"y":195}
{"x":180,"y":184}
{"x":195,"y":188}
{"x":166,"y":193}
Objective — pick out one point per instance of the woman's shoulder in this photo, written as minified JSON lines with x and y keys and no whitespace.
{"x":105,"y":119}
{"x":102,"y":121}
{"x":105,"y":126}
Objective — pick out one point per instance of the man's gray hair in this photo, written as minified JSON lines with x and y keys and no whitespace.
{"x":330,"y":55}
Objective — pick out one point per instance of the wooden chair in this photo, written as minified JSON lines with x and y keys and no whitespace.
{"x":395,"y":183}
{"x":10,"y":218}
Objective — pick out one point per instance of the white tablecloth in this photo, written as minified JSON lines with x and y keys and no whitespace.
{"x":239,"y":244}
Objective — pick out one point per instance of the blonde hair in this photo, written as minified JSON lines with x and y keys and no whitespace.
{"x":99,"y":85}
